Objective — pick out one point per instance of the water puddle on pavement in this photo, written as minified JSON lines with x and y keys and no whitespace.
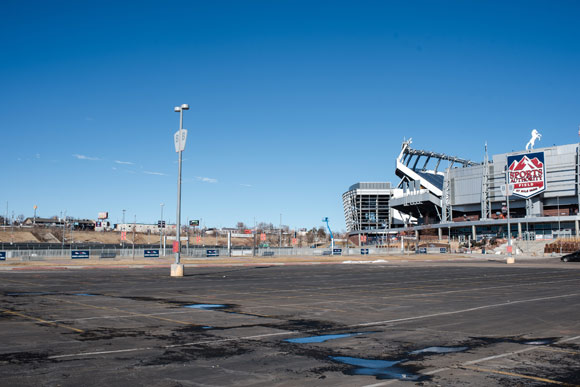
{"x":439,"y":350}
{"x":205,"y":306}
{"x":538,"y":342}
{"x":323,"y":338}
{"x":381,"y":369}
{"x":85,"y":294}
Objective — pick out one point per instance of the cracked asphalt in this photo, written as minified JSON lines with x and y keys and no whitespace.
{"x":431,"y":323}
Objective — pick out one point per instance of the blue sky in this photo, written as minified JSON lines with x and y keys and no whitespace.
{"x":291,"y":101}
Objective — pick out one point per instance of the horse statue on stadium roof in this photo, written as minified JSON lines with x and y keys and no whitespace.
{"x":535,"y":136}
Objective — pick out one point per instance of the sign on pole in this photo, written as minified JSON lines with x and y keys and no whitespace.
{"x":507,"y":190}
{"x":2,"y":255}
{"x":262,"y":237}
{"x":179,"y":139}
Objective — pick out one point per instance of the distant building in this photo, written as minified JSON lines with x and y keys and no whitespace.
{"x":46,"y":222}
{"x":144,"y":228}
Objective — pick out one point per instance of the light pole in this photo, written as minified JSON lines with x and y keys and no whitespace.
{"x":161,"y":232}
{"x":179,"y":137}
{"x":122,"y":230}
{"x":510,"y":258}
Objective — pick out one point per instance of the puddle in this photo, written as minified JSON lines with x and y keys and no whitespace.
{"x":207,"y":327}
{"x":323,"y":338}
{"x":538,"y":342}
{"x":381,"y":369}
{"x":84,"y":294}
{"x":205,"y":306}
{"x":439,"y":350}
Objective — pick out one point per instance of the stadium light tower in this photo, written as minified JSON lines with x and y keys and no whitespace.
{"x":179,"y":137}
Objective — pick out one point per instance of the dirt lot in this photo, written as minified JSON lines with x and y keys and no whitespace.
{"x":54,"y":235}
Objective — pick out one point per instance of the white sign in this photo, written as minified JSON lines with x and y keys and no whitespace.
{"x":235,"y":235}
{"x":510,"y":188}
{"x":172,"y":238}
{"x":179,"y":138}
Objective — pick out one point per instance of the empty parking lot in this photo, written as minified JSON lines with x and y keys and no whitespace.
{"x":430,"y":323}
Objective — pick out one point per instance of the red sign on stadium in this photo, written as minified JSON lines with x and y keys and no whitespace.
{"x":527,"y":173}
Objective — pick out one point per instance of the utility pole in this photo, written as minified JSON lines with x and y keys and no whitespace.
{"x":280,"y":244}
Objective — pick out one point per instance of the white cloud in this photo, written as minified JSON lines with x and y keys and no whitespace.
{"x":246,"y":185}
{"x":38,"y":155}
{"x":124,"y":162}
{"x":83,"y":157}
{"x":154,"y":173}
{"x":206,"y":179}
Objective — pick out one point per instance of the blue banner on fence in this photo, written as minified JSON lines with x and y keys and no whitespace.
{"x":212,"y":253}
{"x":79,"y":254}
{"x":443,"y":250}
{"x":422,"y":250}
{"x":2,"y":255}
{"x":151,"y":253}
{"x":364,"y":251}
{"x":336,"y":251}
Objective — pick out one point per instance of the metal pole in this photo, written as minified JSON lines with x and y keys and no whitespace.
{"x":178,"y":225}
{"x":280,"y":243}
{"x":161,"y":232}
{"x":123,"y":229}
{"x":62,"y":246}
{"x":507,"y":198}
{"x":134,"y":226}
{"x":558,"y":216}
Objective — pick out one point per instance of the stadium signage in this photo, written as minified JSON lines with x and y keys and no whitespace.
{"x":527,"y":172}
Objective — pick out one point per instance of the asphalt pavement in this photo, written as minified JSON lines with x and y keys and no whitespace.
{"x":433,"y":323}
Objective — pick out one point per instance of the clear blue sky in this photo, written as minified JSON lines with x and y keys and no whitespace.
{"x":291,"y":101}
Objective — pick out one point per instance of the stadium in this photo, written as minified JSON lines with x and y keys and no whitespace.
{"x":444,"y":195}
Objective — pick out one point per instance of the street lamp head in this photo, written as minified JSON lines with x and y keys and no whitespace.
{"x":185,"y":107}
{"x":177,"y":109}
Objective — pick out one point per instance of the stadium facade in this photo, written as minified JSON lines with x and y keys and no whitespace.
{"x":441,"y":195}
